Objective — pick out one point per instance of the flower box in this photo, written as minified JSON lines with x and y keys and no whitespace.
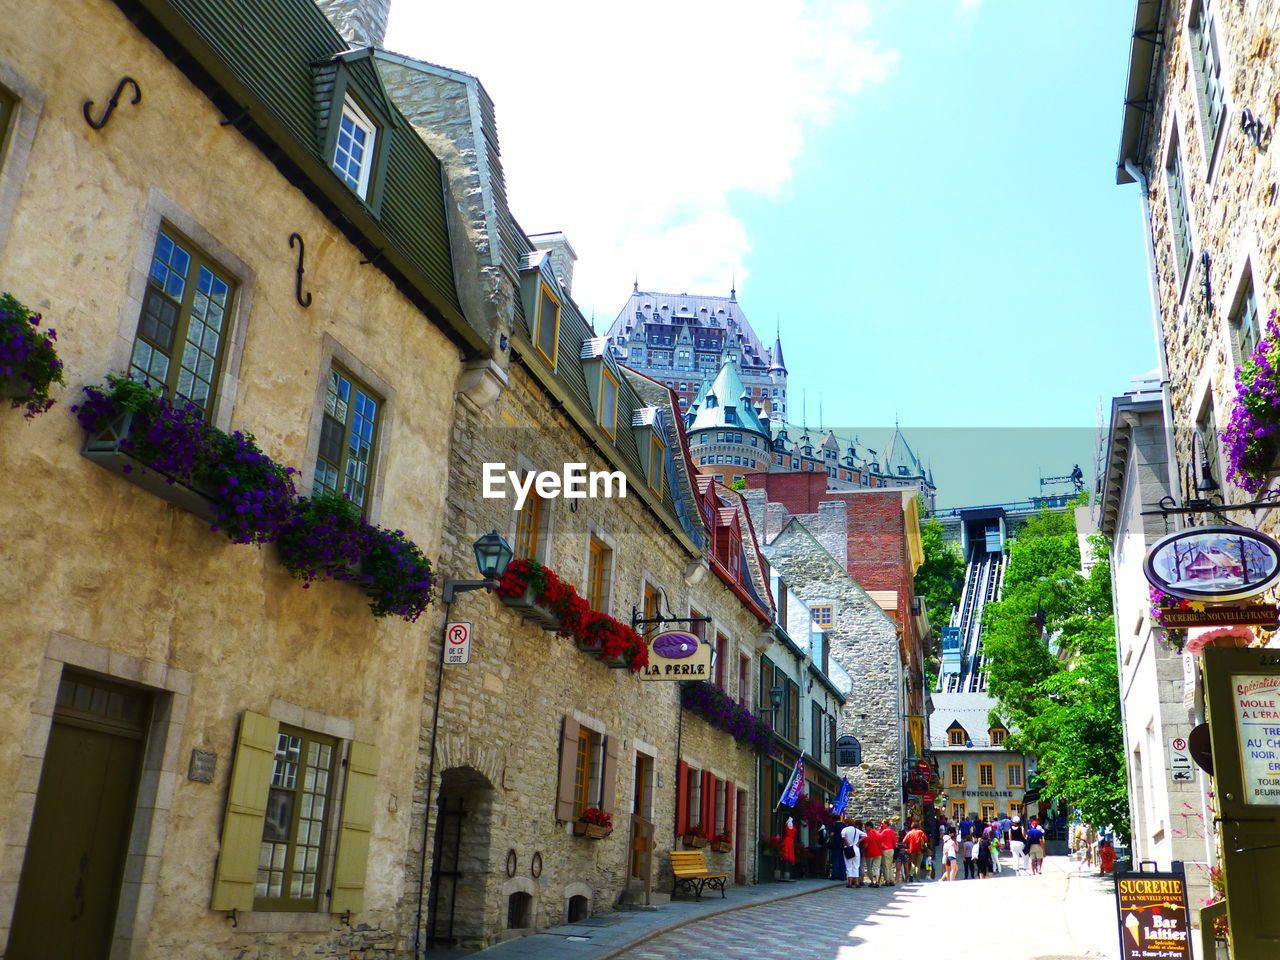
{"x":531,"y":610}
{"x":721,"y":846}
{"x":694,"y":842}
{"x":104,"y":449}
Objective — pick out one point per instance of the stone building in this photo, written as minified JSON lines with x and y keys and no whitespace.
{"x":684,"y":340}
{"x":522,"y":740}
{"x":809,"y":553}
{"x":199,"y":757}
{"x":1167,"y":807}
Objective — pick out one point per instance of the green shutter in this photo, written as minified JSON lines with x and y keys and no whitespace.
{"x":357,"y":827}
{"x":237,"y":872}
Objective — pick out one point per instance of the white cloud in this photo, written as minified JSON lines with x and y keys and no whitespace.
{"x":629,"y":127}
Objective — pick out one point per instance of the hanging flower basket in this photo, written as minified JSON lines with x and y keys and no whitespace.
{"x":29,"y":363}
{"x":1201,"y":637}
{"x":1174,"y":638}
{"x":1252,"y":438}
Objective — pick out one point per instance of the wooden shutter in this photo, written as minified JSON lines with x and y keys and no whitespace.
{"x":682,"y":797}
{"x":609,"y":776}
{"x":237,"y":871}
{"x":356,"y":829}
{"x":730,"y":808}
{"x":708,"y":813}
{"x":565,"y":799}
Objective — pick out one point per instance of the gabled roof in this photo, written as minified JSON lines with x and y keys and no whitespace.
{"x":709,"y":408}
{"x":898,"y":456}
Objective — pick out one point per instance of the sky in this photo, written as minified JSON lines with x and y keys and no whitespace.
{"x":921,"y":193}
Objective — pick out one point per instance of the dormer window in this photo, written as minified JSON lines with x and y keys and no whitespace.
{"x":997,"y":736}
{"x":956,"y":736}
{"x":354,"y":151}
{"x":657,"y":461}
{"x":607,"y":416}
{"x":546,"y":330}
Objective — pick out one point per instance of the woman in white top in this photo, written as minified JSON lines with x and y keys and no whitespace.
{"x":950,"y":863}
{"x":851,"y":835}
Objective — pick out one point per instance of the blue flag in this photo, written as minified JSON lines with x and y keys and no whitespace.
{"x":842,"y":797}
{"x":794,"y":786}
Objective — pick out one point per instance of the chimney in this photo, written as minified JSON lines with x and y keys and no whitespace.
{"x":362,"y":22}
{"x":562,"y":256}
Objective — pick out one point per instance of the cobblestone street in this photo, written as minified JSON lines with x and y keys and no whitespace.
{"x":1063,"y":915}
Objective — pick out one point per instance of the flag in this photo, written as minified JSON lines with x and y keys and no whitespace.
{"x":842,"y":797}
{"x":794,"y":786}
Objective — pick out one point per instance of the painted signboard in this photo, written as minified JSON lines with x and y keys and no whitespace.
{"x":848,"y":752}
{"x":1254,"y":615}
{"x":1152,"y":915}
{"x":1257,"y":712}
{"x":678,"y":656}
{"x":1215,"y":564}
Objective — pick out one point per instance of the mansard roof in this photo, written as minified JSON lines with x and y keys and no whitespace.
{"x":693,"y":311}
{"x":899,"y":457}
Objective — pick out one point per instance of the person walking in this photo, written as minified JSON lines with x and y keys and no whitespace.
{"x":970,"y":851}
{"x":1017,"y":843}
{"x":851,"y":838}
{"x":996,"y":839}
{"x":984,"y":855}
{"x":872,"y":852}
{"x":916,"y":840}
{"x":835,"y":849}
{"x":949,"y":863}
{"x":1035,"y":847}
{"x":888,"y":846}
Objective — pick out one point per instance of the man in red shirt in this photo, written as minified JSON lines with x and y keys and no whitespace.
{"x":916,"y":839}
{"x":872,"y":849}
{"x":888,"y":840}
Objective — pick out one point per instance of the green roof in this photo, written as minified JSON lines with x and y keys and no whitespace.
{"x":257,"y":61}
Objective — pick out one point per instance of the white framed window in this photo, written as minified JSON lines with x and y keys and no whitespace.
{"x":1206,"y":60}
{"x":1245,"y":326}
{"x":1179,"y":210}
{"x":353,"y":152}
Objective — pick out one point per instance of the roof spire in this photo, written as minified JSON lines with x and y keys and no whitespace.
{"x":733,"y":286}
{"x":635,"y":284}
{"x":777,"y":364}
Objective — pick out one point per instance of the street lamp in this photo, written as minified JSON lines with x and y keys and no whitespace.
{"x":493,"y":553}
{"x":775,"y":698}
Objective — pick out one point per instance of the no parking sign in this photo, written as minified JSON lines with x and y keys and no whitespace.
{"x":457,"y":645}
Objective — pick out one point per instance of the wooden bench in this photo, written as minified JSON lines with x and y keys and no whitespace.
{"x":690,"y":869}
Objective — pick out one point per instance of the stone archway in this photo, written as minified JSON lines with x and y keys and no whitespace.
{"x":460,"y":859}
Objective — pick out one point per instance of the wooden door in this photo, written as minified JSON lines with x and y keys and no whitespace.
{"x":70,"y":881}
{"x":1242,"y":689}
{"x":642,"y":854}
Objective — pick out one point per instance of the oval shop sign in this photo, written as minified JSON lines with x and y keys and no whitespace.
{"x":1214,"y":564}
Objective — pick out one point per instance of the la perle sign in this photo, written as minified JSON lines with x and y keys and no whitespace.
{"x":1214,"y":564}
{"x":678,"y":656}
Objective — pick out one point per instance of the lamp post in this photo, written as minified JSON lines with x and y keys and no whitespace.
{"x":492,"y":553}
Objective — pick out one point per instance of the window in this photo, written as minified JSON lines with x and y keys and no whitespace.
{"x":182,"y":333}
{"x":793,"y":711}
{"x":582,"y":773}
{"x":693,"y":795}
{"x":1016,"y":809}
{"x":959,"y":810}
{"x":8,"y":108}
{"x":348,"y":434}
{"x":651,"y":598}
{"x":353,"y":152}
{"x":657,"y":460}
{"x":1208,"y":69}
{"x":822,"y":614}
{"x":744,"y":667}
{"x":1015,"y":774}
{"x":1207,"y":433}
{"x":1244,"y":320}
{"x":1178,"y":207}
{"x":289,"y":862}
{"x":722,"y":657}
{"x":817,"y":718}
{"x":986,"y":774}
{"x":530,"y":523}
{"x":607,"y":416}
{"x":956,"y":737}
{"x":997,"y":736}
{"x":988,"y":810}
{"x":598,"y":558}
{"x":546,"y":333}
{"x":957,"y":774}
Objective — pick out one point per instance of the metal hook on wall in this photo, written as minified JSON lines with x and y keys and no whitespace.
{"x":302,"y":253}
{"x":112,"y":103}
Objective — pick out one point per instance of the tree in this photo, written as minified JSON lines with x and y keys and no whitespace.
{"x":940,"y":578}
{"x":1051,"y":665}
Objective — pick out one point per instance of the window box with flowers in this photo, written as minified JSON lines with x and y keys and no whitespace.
{"x":722,"y":843}
{"x":327,"y":539}
{"x":594,"y":824}
{"x":166,"y":447}
{"x":1252,"y":438}
{"x":29,"y":364}
{"x":537,"y":592}
{"x":720,"y":710}
{"x":695,"y":838}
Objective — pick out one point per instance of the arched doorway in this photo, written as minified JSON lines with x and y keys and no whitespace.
{"x":459,"y":864}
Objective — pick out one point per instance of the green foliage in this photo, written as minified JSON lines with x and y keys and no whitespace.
{"x":1060,"y":687}
{"x":941,"y":576}
{"x":739,"y":483}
